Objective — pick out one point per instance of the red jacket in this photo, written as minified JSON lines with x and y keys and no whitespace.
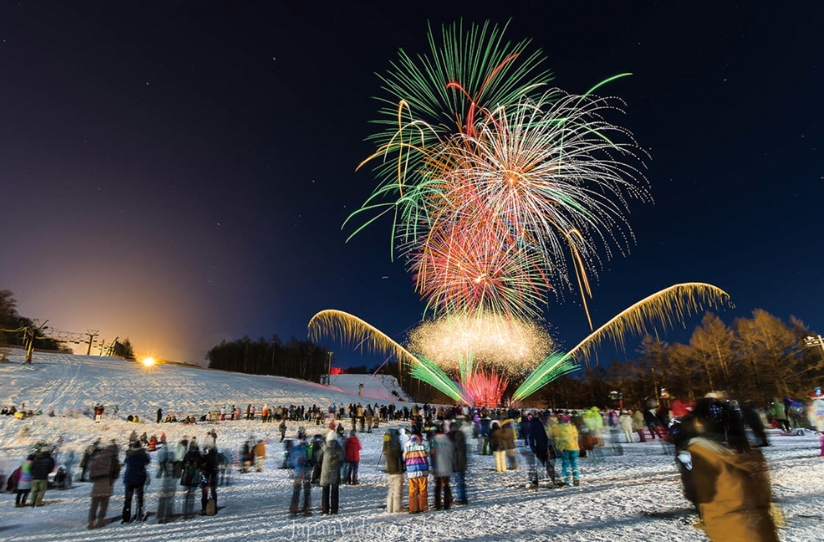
{"x":352,"y":448}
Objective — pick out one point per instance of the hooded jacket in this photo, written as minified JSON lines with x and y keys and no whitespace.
{"x":733,"y":492}
{"x":331,"y":461}
{"x":136,"y":461}
{"x":416,"y":457}
{"x":566,"y":436}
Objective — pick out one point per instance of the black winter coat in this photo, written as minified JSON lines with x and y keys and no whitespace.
{"x":538,"y":442}
{"x":136,"y":461}
{"x":42,"y":465}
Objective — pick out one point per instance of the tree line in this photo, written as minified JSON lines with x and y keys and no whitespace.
{"x":293,"y":359}
{"x":754,"y":359}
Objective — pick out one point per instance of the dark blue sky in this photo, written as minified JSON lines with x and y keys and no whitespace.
{"x":178,"y":172}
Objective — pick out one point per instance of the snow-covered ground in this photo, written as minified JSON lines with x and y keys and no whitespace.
{"x":631,"y":497}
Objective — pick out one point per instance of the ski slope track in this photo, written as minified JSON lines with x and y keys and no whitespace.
{"x":631,"y":497}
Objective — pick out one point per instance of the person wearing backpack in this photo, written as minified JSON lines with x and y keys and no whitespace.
{"x":135,"y":478}
{"x":301,"y":462}
{"x":103,"y":470}
{"x":190,"y":477}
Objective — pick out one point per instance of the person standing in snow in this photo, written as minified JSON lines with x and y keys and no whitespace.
{"x":394,"y":470}
{"x":443,"y":456}
{"x":498,"y":446}
{"x":159,"y":415}
{"x":302,"y":468}
{"x":24,"y":482}
{"x":566,"y":441}
{"x":458,"y":438}
{"x":259,"y":453}
{"x":103,"y":471}
{"x":625,"y":421}
{"x":165,"y":472}
{"x":352,"y":448}
{"x":208,"y":480}
{"x":190,"y":477}
{"x":282,"y":429}
{"x":539,"y":444}
{"x":134,"y":479}
{"x":417,"y":470}
{"x":330,"y":474}
{"x":42,"y":465}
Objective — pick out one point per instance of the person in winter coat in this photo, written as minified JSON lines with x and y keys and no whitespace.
{"x":539,"y":444}
{"x":24,"y":482}
{"x":282,"y":429}
{"x":42,"y":465}
{"x":166,"y":474}
{"x":394,"y":469}
{"x":780,"y":414}
{"x":208,"y":480}
{"x":352,"y":448}
{"x":732,"y":489}
{"x":566,"y":441}
{"x":417,"y":470}
{"x":330,"y":474}
{"x":625,"y":421}
{"x":135,"y":478}
{"x":443,"y":453}
{"x":190,"y":477}
{"x":498,"y":446}
{"x":302,"y":469}
{"x":509,"y":444}
{"x":456,"y":435}
{"x":638,"y":424}
{"x":103,"y":471}
{"x":259,"y":453}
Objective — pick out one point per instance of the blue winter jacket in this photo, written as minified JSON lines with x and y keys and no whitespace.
{"x":136,"y":461}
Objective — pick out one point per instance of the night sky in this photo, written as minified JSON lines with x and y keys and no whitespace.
{"x":178,"y":173}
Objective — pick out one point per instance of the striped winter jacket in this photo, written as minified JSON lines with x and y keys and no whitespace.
{"x":416,"y":457}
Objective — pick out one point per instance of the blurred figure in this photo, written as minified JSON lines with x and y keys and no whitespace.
{"x":496,"y":443}
{"x":732,"y":489}
{"x":190,"y":477}
{"x":458,"y":439}
{"x":539,"y":444}
{"x":625,"y":421}
{"x":330,"y":474}
{"x":638,"y":424}
{"x":165,"y":472}
{"x":752,"y":417}
{"x":103,"y":471}
{"x":259,"y":453}
{"x":509,"y":444}
{"x":302,"y":471}
{"x":417,"y":469}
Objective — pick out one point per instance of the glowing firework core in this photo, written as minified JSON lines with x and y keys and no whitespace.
{"x":509,"y":346}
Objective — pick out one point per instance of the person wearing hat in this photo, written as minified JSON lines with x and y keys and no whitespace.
{"x":352,"y":448}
